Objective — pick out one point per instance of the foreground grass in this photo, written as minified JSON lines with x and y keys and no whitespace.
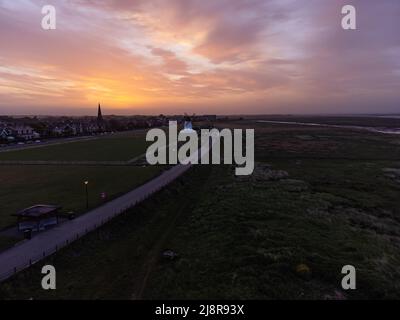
{"x":24,"y":186}
{"x":110,"y":148}
{"x":283,"y":142}
{"x":254,"y":237}
{"x":238,"y":238}
{"x":247,"y":237}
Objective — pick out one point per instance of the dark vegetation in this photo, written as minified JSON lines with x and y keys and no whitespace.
{"x":319,"y":199}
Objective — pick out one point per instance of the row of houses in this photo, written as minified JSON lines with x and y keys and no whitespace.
{"x":23,"y":132}
{"x":25,"y":129}
{"x":52,"y":127}
{"x":13,"y":132}
{"x":72,"y":128}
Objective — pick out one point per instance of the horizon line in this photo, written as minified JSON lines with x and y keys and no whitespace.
{"x":205,"y":114}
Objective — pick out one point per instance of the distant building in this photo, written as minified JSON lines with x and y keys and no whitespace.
{"x":100,"y":120}
{"x":187,"y":125}
{"x":6,"y":133}
{"x":207,"y":117}
{"x":57,"y":131}
{"x":24,"y":132}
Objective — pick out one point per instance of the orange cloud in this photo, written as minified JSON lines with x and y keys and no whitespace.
{"x":216,"y":56}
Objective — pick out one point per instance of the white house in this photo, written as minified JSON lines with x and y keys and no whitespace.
{"x":24,"y":132}
{"x":5,"y":133}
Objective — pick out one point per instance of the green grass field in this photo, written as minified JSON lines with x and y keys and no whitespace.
{"x":27,"y":185}
{"x":118,"y":147}
{"x":257,"y":237}
{"x":30,"y":185}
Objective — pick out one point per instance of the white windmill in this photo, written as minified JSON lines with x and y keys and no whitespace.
{"x":187,"y":125}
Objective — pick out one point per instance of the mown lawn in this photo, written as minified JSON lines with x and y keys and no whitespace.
{"x":110,"y":148}
{"x":24,"y":186}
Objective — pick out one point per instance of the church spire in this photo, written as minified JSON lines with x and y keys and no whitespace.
{"x":99,"y":115}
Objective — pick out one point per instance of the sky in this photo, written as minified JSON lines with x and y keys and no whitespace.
{"x":199,"y":56}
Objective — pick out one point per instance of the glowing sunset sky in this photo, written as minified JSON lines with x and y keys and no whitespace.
{"x":204,"y":56}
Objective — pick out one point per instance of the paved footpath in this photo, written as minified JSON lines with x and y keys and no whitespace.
{"x":44,"y":244}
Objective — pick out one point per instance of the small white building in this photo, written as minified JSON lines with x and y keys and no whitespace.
{"x":5,"y":133}
{"x":24,"y":132}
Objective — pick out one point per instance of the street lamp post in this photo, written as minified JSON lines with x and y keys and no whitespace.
{"x":87,"y":194}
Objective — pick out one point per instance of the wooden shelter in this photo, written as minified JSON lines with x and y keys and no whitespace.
{"x":38,"y":217}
